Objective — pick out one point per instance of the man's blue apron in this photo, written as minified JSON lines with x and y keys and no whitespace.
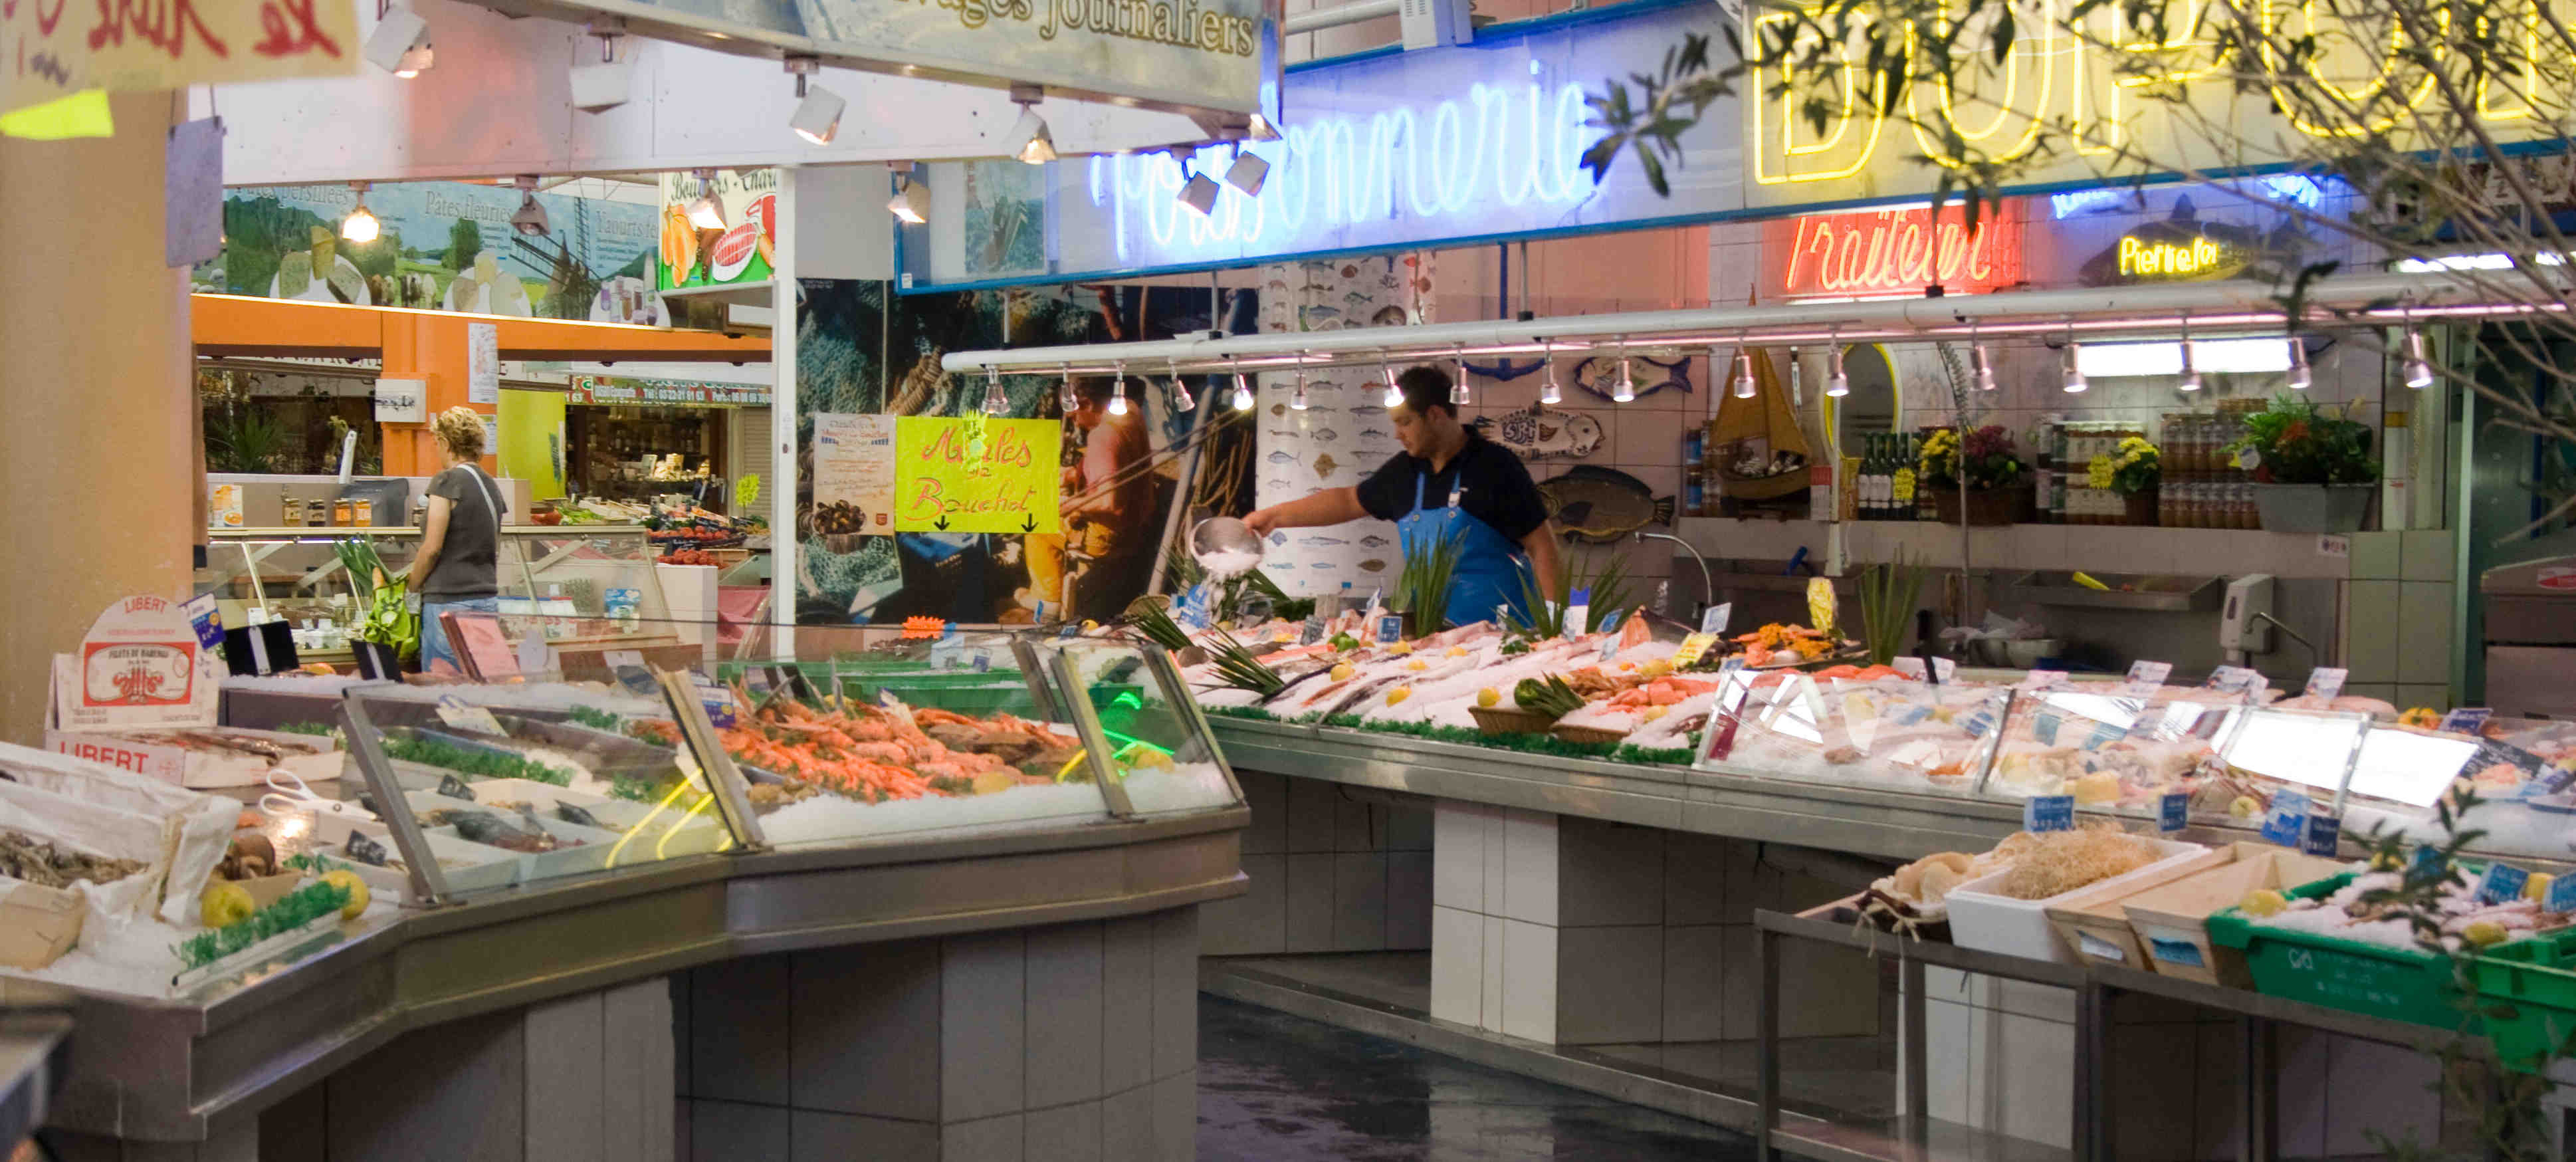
{"x":1487,"y":574}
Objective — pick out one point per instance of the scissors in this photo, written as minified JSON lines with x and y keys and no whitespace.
{"x":288,"y":794}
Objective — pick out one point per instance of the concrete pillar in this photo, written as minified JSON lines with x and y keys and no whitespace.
{"x":99,"y":401}
{"x":1330,"y":872}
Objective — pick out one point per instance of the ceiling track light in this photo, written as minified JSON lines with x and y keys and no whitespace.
{"x":1458,"y":393}
{"x":1242,"y":390}
{"x":1745,"y":388}
{"x":1549,"y":392}
{"x":1181,"y":397}
{"x":1837,"y":382}
{"x":360,"y":225}
{"x":1118,"y":389}
{"x":1797,"y":397}
{"x":530,"y":220}
{"x":2190,"y":359}
{"x":911,"y":201}
{"x":1297,"y":399}
{"x":703,"y":211}
{"x":1248,"y":172}
{"x":1064,"y":396}
{"x":2302,"y":377}
{"x":818,"y":110}
{"x":996,"y":401}
{"x":1259,"y":128}
{"x":2073,"y":381}
{"x":1626,"y":390}
{"x":1394,"y":394}
{"x":2418,"y":368}
{"x":1198,"y":191}
{"x":1981,"y":366}
{"x":400,"y":42}
{"x":604,"y":86}
{"x":1030,"y":140}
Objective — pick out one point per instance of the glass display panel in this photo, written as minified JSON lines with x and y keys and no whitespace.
{"x":1156,"y":744}
{"x":1892,"y":734}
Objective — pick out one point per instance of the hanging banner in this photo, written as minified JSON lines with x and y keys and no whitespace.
{"x":622,"y":390}
{"x":740,"y":251}
{"x":977,"y":475}
{"x":52,"y":50}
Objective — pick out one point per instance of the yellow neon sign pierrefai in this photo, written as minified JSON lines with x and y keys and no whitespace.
{"x":2141,"y":259}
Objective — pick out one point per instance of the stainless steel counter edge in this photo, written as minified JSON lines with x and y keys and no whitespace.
{"x":174,"y":1070}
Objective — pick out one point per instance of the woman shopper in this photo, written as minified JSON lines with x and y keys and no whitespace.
{"x":455,"y":571}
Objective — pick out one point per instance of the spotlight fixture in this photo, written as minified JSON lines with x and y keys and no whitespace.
{"x":1181,"y":397}
{"x":1626,"y":390}
{"x":400,"y":43}
{"x":1198,"y":191}
{"x":1981,"y":365}
{"x":995,"y":401}
{"x":530,"y":220}
{"x":1394,"y":394}
{"x":1744,"y":385}
{"x":1242,"y":391}
{"x":2301,"y":377}
{"x":2190,"y":360}
{"x":1030,"y":140}
{"x":818,"y":110}
{"x":1837,"y":383}
{"x":1064,"y":396}
{"x":911,"y":200}
{"x":2419,"y":369}
{"x":1797,"y":396}
{"x":1260,"y":129}
{"x":361,"y":224}
{"x":1549,"y":392}
{"x":1118,"y":389}
{"x":1297,"y":399}
{"x":1458,"y":393}
{"x":2074,"y":382}
{"x":703,"y":212}
{"x":1248,"y":172}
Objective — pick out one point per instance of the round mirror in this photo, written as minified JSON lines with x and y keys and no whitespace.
{"x":1874,"y":407}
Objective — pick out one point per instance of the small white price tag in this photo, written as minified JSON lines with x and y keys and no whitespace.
{"x":469,"y":718}
{"x":2326,"y":681}
{"x":2336,"y":546}
{"x":1714,"y":621}
{"x":2145,"y":677}
{"x":2043,"y":680}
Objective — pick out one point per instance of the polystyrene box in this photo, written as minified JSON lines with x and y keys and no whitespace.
{"x":1985,"y":920}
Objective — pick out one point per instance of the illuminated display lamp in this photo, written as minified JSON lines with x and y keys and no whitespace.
{"x":1626,"y":389}
{"x":400,"y":43}
{"x":1982,"y":367}
{"x":1118,"y":389}
{"x":1064,"y":394}
{"x":2074,"y":381}
{"x":1030,"y":141}
{"x":1260,"y":128}
{"x":818,"y":110}
{"x":361,"y":224}
{"x":604,"y":86}
{"x":1297,"y":399}
{"x":1247,"y":173}
{"x":1181,"y":397}
{"x":1394,"y":394}
{"x":1458,"y":393}
{"x":2301,"y":376}
{"x":1837,"y":381}
{"x":703,"y":212}
{"x":1796,"y":397}
{"x":1242,"y":391}
{"x":1549,"y":391}
{"x":995,"y":402}
{"x":1744,"y":385}
{"x":1198,"y":191}
{"x":2419,"y":369}
{"x":2190,"y":359}
{"x":911,"y":201}
{"x":530,"y":220}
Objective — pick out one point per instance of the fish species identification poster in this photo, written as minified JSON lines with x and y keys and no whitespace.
{"x":972,"y":474}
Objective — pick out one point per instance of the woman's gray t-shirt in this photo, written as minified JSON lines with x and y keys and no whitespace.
{"x":465,"y":568}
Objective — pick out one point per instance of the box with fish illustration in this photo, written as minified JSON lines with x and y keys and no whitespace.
{"x":142,"y":695}
{"x":203,"y":757}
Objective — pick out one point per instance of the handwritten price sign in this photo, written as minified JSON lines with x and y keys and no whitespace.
{"x":50,"y":49}
{"x":977,"y":475}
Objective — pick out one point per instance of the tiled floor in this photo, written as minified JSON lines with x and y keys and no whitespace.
{"x":1276,"y":1088}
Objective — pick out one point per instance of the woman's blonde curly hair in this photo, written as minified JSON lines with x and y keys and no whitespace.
{"x":460,"y":430}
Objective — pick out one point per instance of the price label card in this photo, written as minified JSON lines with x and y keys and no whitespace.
{"x":2145,"y":677}
{"x":476,"y":719}
{"x":2287,"y":822}
{"x":2324,"y":833}
{"x":2466,"y":720}
{"x":1715,"y":619}
{"x":1942,"y":668}
{"x":981,"y":661}
{"x":1390,"y":629}
{"x":717,"y":700}
{"x":2043,"y":726}
{"x":1311,"y":630}
{"x":1977,"y":722}
{"x":2326,"y":681}
{"x":2561,"y":896}
{"x":2104,"y":734}
{"x":206,"y":620}
{"x":1945,"y":669}
{"x":2043,"y":680}
{"x":2502,"y":882}
{"x":2173,"y":811}
{"x":2426,"y":864}
{"x":1695,"y":647}
{"x":2048,"y":813}
{"x":1609,"y":646}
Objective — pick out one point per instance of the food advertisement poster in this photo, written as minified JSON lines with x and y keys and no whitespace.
{"x":853,"y":474}
{"x":58,"y":49}
{"x":443,"y":246}
{"x":140,"y":665}
{"x":740,"y":251}
{"x":972,"y":474}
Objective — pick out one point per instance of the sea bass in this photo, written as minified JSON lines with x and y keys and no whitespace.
{"x":1601,"y":505}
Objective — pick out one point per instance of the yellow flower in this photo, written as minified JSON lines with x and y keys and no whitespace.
{"x":2099,"y":472}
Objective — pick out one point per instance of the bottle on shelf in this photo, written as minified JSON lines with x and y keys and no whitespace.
{"x":1874,"y":482}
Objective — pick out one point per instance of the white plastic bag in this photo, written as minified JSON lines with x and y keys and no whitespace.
{"x":198,"y":828}
{"x":96,"y":829}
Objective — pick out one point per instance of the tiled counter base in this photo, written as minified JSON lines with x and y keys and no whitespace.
{"x":1332,"y":869}
{"x":1074,"y":1043}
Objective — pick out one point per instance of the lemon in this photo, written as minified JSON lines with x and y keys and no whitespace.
{"x":1654,"y":712}
{"x":2537,"y":887}
{"x":1627,"y":666}
{"x":2262,"y":902}
{"x":1417,"y":665}
{"x":1398,"y":694}
{"x":1089,"y":625}
{"x":1457,"y":651}
{"x":2483,"y":933}
{"x":1400,"y":648}
{"x":2383,"y":861}
{"x":357,"y":889}
{"x":224,"y":903}
{"x":1489,"y":697}
{"x":1342,"y":671}
{"x":2244,"y":807}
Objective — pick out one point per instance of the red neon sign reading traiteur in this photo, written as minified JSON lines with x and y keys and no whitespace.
{"x":1898,"y":251}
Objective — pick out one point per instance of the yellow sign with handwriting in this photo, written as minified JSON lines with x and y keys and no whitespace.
{"x":51,"y":49}
{"x":977,"y":475}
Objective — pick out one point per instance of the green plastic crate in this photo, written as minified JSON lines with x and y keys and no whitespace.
{"x":2536,"y":979}
{"x":2403,"y":984}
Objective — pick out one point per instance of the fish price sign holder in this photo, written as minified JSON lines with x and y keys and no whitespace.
{"x":972,"y":474}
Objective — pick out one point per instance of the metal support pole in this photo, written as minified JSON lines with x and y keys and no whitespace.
{"x":1915,"y":1071}
{"x":2256,"y":1133}
{"x":2093,"y":1057}
{"x":1766,"y":1117}
{"x":782,"y":419}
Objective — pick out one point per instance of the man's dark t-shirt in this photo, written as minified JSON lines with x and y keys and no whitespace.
{"x":1495,"y":488}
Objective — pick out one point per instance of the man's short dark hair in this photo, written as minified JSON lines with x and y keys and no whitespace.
{"x":1425,"y":387}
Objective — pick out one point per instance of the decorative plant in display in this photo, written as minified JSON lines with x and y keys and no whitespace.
{"x":390,"y":620}
{"x":294,"y":910}
{"x":1422,"y":588}
{"x":596,"y":719}
{"x":1151,"y":617}
{"x":1549,"y":696}
{"x":1606,"y":581}
{"x":1887,"y":595}
{"x":1241,"y":669}
{"x":481,"y":764}
{"x":1993,"y":462}
{"x":2293,"y":441}
{"x":2133,"y":467}
{"x":316,"y":729}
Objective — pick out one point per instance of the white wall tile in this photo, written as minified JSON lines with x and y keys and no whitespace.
{"x":1457,"y":966}
{"x":1529,"y":867}
{"x":1529,"y":981}
{"x":2037,"y":1083}
{"x":1458,"y":854}
{"x":1490,"y":994}
{"x":2377,"y":555}
{"x":2386,"y":1088}
{"x":2036,"y":1000}
{"x":1408,"y":899}
{"x":2303,"y":1060}
{"x":983,"y":1035}
{"x":1359,"y":902}
{"x":2370,"y":646}
{"x":1953,"y":1083}
{"x":2426,"y":555}
{"x":2424,"y":632}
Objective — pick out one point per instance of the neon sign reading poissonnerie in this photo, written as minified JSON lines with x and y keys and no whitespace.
{"x":1497,"y":148}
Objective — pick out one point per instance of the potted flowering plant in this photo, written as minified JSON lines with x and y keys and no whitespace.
{"x":1998,"y":491}
{"x":2313,"y":469}
{"x":2134,"y":470}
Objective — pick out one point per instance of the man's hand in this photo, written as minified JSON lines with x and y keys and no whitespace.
{"x":1262,"y":520}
